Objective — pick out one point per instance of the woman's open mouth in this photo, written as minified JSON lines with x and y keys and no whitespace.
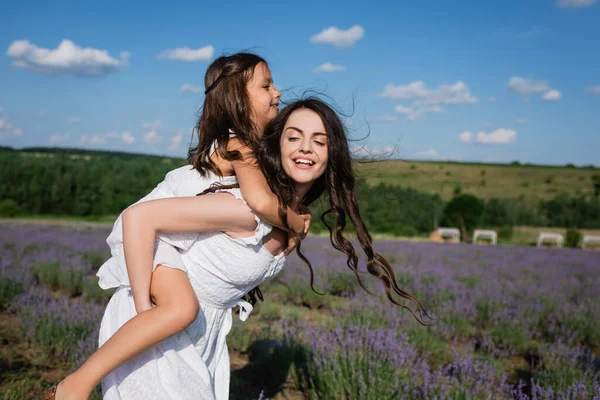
{"x":303,"y":163}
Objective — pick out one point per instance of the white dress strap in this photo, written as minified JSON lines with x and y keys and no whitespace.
{"x":245,"y":309}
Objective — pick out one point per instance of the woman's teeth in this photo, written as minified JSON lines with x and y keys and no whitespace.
{"x":304,"y":162}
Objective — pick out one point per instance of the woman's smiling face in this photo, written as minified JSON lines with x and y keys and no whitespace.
{"x":304,"y":151}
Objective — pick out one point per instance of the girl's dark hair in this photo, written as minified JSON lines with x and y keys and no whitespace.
{"x":339,"y":183}
{"x":226,"y":106}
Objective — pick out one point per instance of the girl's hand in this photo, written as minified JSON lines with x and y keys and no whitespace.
{"x":144,"y":307}
{"x":293,"y":242}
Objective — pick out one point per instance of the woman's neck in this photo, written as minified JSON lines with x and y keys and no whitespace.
{"x":299,"y":193}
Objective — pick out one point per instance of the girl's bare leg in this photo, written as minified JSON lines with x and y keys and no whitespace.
{"x":176,"y":308}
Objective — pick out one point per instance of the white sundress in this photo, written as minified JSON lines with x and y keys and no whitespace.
{"x":193,"y":364}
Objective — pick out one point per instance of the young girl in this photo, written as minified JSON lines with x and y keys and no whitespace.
{"x":304,"y":153}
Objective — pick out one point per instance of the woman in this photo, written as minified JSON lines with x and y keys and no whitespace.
{"x":304,"y":151}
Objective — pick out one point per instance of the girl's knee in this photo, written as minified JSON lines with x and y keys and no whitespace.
{"x":172,"y":292}
{"x":182,"y":316}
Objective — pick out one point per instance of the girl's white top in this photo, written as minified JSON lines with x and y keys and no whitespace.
{"x":193,"y":364}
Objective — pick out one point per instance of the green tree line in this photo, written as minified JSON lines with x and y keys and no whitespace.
{"x":73,"y":182}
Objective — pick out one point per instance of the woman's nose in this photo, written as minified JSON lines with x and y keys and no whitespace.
{"x":305,"y":146}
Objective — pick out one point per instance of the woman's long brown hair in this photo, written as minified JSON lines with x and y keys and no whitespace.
{"x":339,"y":183}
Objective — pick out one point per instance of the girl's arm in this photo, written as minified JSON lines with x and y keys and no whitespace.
{"x":141,"y":222}
{"x":257,"y":193}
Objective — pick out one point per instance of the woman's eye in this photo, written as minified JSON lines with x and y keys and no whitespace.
{"x":293,"y":139}
{"x":319,"y":143}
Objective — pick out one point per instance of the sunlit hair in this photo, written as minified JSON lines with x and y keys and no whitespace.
{"x":226,"y":107}
{"x":339,"y":185}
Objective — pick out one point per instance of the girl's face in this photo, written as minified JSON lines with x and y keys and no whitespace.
{"x":264,"y":97}
{"x":304,"y":147}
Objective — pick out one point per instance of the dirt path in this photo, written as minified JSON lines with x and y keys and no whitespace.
{"x":24,"y":371}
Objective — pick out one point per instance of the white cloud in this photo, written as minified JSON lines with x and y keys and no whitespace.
{"x":551,"y":95}
{"x":102,"y":139}
{"x":66,"y":59}
{"x":74,"y":120}
{"x":466,"y":136}
{"x":575,"y":3}
{"x":522,"y":121}
{"x":499,"y":136}
{"x":6,"y":128}
{"x":428,"y":153}
{"x":59,"y":138}
{"x":43,"y":114}
{"x":96,"y":139}
{"x":492,"y":99}
{"x":154,"y":125}
{"x":594,"y":89}
{"x":412,"y":91}
{"x":383,"y":118}
{"x":176,"y":141}
{"x":186,"y":54}
{"x":376,"y":152}
{"x":189,"y":88}
{"x":534,"y":32}
{"x":457,"y":93}
{"x":127,"y":137}
{"x":424,"y":100}
{"x":152,"y":137}
{"x":415,"y":113}
{"x":329,"y":67}
{"x":339,"y":38}
{"x":525,"y":86}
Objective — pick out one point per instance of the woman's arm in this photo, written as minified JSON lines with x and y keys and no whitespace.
{"x":257,"y":193}
{"x":216,"y":212}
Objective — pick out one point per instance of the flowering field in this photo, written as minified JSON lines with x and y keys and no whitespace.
{"x":513,"y":322}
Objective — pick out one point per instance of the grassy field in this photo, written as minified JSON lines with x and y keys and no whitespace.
{"x":529,"y":184}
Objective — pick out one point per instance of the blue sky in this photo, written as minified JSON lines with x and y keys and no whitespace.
{"x":466,"y":80}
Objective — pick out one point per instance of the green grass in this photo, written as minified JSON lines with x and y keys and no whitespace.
{"x":528,"y":184}
{"x":438,"y":351}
